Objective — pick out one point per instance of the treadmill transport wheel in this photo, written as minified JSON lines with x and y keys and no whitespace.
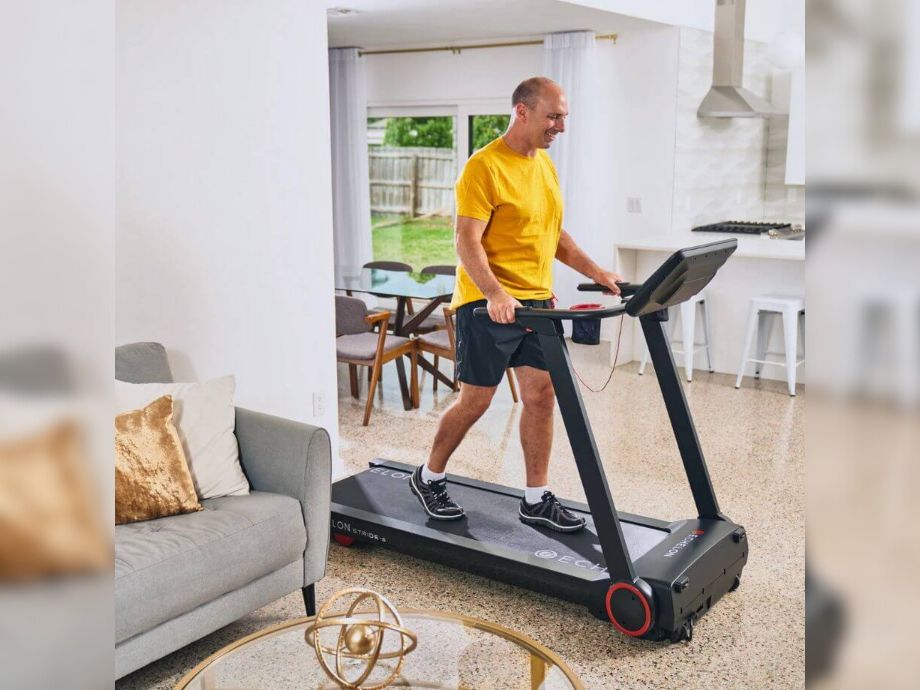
{"x":629,"y":608}
{"x":343,"y":539}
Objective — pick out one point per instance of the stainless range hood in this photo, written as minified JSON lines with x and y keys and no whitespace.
{"x":727,"y":97}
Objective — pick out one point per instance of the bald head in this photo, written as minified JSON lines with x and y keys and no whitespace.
{"x":530,"y":90}
{"x":539,"y":110}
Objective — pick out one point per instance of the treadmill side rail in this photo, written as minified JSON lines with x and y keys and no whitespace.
{"x":587,"y":457}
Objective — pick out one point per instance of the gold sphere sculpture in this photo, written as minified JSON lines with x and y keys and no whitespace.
{"x":359,"y":638}
{"x":367,"y":624}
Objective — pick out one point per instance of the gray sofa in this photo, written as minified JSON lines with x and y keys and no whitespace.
{"x":182,"y":577}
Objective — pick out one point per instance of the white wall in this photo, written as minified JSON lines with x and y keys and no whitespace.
{"x":443,"y":77}
{"x":642,"y":69}
{"x":224,"y":242}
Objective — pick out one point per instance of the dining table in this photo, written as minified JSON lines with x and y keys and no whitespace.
{"x":403,"y":286}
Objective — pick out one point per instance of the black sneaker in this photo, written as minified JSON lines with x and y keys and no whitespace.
{"x":433,"y":497}
{"x":549,"y":512}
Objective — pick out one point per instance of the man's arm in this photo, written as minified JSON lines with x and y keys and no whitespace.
{"x":571,"y":255}
{"x":468,"y":240}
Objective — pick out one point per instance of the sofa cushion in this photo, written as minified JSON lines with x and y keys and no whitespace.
{"x":205,"y":418}
{"x":169,"y":566}
{"x":152,"y":476}
{"x":142,"y":363}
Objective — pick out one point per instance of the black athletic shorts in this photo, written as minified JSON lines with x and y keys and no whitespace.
{"x":485,"y":348}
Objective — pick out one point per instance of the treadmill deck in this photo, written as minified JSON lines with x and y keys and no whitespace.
{"x":381,"y":495}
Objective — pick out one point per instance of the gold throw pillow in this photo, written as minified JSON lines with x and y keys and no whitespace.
{"x":50,"y":522}
{"x":152,"y":478}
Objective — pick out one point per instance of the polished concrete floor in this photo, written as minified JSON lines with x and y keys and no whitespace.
{"x":753,"y":440}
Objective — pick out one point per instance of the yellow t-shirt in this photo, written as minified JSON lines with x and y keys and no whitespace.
{"x":519,"y":199}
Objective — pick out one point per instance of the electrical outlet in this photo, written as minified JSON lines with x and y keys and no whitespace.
{"x":319,"y":404}
{"x":634,"y":204}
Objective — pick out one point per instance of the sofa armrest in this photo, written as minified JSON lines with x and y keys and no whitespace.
{"x":294,"y":459}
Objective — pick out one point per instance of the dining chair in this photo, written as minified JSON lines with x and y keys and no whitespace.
{"x":389,"y":266}
{"x":385,"y":266}
{"x":432,"y":322}
{"x":441,"y":269}
{"x":443,"y":343}
{"x":356,"y":344}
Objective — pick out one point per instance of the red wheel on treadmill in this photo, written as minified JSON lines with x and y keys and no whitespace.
{"x":633,"y":607}
{"x":343,"y":539}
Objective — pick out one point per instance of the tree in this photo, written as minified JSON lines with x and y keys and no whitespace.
{"x":435,"y":132}
{"x":488,"y":127}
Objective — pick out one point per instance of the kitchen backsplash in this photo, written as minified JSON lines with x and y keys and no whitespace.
{"x":728,"y":168}
{"x":781,"y":201}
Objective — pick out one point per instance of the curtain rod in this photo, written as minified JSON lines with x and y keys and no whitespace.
{"x":456,"y":50}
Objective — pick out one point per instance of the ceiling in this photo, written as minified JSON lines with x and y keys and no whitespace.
{"x":415,"y":23}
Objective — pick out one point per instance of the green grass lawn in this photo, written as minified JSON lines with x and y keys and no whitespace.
{"x":418,"y":244}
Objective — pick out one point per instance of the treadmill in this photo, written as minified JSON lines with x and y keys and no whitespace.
{"x":649,"y":578}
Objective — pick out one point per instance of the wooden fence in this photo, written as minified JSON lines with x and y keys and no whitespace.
{"x":412,"y":181}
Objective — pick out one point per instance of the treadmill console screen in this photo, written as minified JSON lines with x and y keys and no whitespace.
{"x":684,"y":274}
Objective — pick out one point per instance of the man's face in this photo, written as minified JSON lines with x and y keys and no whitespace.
{"x":546,"y":120}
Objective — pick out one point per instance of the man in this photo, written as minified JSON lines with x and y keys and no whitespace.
{"x":509,"y":229}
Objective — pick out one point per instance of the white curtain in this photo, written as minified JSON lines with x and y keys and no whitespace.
{"x":351,"y":213}
{"x":570,"y":59}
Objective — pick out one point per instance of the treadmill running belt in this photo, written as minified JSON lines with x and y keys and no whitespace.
{"x":491,"y":518}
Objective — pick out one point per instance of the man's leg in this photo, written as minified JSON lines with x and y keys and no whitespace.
{"x":539,"y":506}
{"x":536,"y":422}
{"x":456,"y":421}
{"x":483,"y":351}
{"x":428,"y":482}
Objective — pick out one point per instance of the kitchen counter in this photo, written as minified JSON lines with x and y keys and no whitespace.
{"x":759,"y":266}
{"x":749,"y":246}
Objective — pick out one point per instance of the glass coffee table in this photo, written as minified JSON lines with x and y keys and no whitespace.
{"x":453,"y":651}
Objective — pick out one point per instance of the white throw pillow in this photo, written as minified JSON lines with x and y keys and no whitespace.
{"x":205,"y":419}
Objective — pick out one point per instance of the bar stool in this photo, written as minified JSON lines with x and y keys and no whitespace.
{"x":687,"y":312}
{"x":764,"y":309}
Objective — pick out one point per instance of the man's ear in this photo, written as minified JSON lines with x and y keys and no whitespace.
{"x":520,"y":112}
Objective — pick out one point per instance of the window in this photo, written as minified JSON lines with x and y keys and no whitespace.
{"x":412,"y":163}
{"x":485,"y":128}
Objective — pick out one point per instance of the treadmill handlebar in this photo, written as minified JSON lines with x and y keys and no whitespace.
{"x":626,"y":289}
{"x":680,"y":277}
{"x":560,"y":314}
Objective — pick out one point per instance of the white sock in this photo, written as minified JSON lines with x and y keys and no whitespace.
{"x":534,"y":494}
{"x":429,"y":476}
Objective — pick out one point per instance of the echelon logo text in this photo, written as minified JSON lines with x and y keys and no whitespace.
{"x":682,"y":544}
{"x":550,"y":555}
